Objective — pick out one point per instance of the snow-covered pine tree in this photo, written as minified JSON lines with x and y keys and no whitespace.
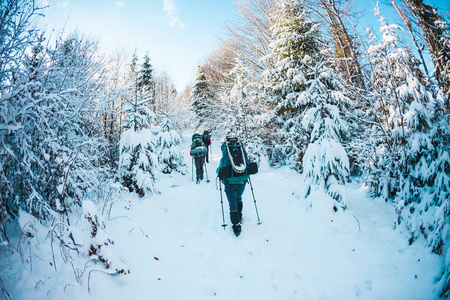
{"x":390,"y":62}
{"x":326,"y":162}
{"x":138,"y":162}
{"x":201,"y":101}
{"x":146,"y":82}
{"x":296,"y":44}
{"x":308,"y":102}
{"x":168,"y":146}
{"x":395,"y":86}
{"x":411,"y":163}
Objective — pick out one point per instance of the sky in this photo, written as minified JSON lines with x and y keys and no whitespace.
{"x":176,"y":34}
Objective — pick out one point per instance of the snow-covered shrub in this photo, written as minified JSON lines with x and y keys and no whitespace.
{"x":101,"y":247}
{"x":326,"y":166}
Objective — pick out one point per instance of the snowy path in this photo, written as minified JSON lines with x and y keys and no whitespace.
{"x":176,"y":249}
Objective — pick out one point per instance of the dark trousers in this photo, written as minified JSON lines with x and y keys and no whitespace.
{"x":234,"y":194}
{"x":199,"y":162}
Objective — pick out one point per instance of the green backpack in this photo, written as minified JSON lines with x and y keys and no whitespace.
{"x":198,"y":148}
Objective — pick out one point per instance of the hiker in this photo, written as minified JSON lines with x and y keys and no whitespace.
{"x":198,"y":152}
{"x":206,"y":138}
{"x":233,"y":170}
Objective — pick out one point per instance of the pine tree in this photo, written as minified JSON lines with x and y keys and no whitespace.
{"x":201,"y":100}
{"x":146,"y":82}
{"x":296,"y":44}
{"x":168,"y":147}
{"x":411,"y":164}
{"x":138,"y":162}
{"x":308,"y":101}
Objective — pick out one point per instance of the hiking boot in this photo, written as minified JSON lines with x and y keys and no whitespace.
{"x":234,"y":217}
{"x":237,"y":229}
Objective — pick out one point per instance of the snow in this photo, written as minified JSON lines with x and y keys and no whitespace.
{"x":175,"y":247}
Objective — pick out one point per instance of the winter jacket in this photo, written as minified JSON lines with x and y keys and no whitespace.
{"x":206,"y":139}
{"x":225,"y":161}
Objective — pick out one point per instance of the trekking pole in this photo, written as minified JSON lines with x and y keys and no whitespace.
{"x":206,"y":169}
{"x":192,"y":168}
{"x":254,"y":200}
{"x":221,"y":202}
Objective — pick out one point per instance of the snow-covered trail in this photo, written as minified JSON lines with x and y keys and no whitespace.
{"x":176,"y":248}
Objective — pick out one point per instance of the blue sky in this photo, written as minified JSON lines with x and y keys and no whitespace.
{"x":177,"y":34}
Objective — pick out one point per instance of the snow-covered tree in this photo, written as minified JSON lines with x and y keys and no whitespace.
{"x":395,"y":87}
{"x":52,"y":138}
{"x":146,"y":81}
{"x":138,"y":162}
{"x":168,"y":147}
{"x":201,"y":100}
{"x":296,"y":44}
{"x":436,"y":34}
{"x":410,"y":162}
{"x":308,"y":101}
{"x":326,"y":162}
{"x":17,"y":31}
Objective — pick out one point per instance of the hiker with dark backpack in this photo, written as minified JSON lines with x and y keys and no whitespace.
{"x":206,"y":138}
{"x":234,"y":171}
{"x":198,"y":153}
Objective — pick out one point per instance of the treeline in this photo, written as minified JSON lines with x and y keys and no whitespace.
{"x":299,"y":81}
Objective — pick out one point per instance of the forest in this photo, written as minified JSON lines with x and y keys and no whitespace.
{"x":299,"y":81}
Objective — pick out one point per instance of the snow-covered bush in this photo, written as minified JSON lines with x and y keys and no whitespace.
{"x":100,"y":246}
{"x":50,"y":135}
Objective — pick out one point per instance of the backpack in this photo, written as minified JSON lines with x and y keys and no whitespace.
{"x":235,"y":161}
{"x":198,"y":148}
{"x":206,"y":138}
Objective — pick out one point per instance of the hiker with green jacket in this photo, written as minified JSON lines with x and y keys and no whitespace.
{"x":234,"y":181}
{"x":198,"y":152}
